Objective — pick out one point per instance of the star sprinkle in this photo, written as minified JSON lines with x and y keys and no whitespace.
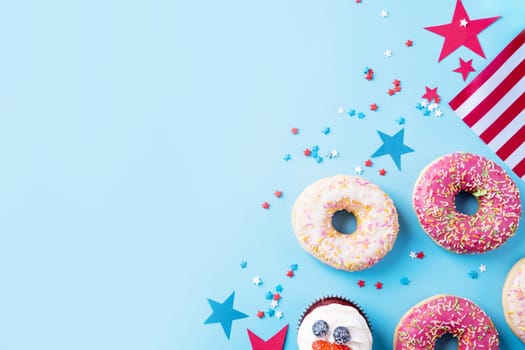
{"x":326,"y":131}
{"x":333,"y":154}
{"x":260,"y":314}
{"x":465,"y":67}
{"x":278,"y":194}
{"x":274,"y":304}
{"x":420,"y":255}
{"x":257,"y":280}
{"x":368,"y":163}
{"x":438,"y":113}
{"x":351,"y":112}
{"x":294,"y":267}
{"x":369,"y":73}
{"x":373,"y":107}
{"x":404,"y":281}
{"x":358,"y":170}
{"x":383,"y":13}
{"x":278,"y":288}
{"x":400,"y":121}
{"x":388,"y":53}
{"x":482,"y":268}
{"x":225,"y":314}
{"x":276,"y":342}
{"x":382,"y":172}
{"x":265,"y":205}
{"x":244,"y":263}
{"x":379,"y":285}
{"x":270,"y":312}
{"x":290,"y":273}
{"x":461,"y":31}
{"x":473,"y":274}
{"x":409,"y":43}
{"x":430,"y":94}
{"x":361,"y":115}
{"x":287,"y":157}
{"x":361,"y":283}
{"x":393,"y":146}
{"x":340,"y":111}
{"x":279,"y":314}
{"x":412,"y":255}
{"x":294,"y":131}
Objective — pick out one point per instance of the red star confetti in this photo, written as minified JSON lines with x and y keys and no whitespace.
{"x":420,"y":255}
{"x":461,"y":31}
{"x":260,"y":314}
{"x":409,"y":43}
{"x":277,"y":296}
{"x":357,"y":1}
{"x":379,"y":285}
{"x":266,"y":205}
{"x":276,"y":342}
{"x":431,"y":94}
{"x":290,"y":273}
{"x":368,"y":163}
{"x":391,"y":92}
{"x":382,"y":172}
{"x":295,"y":131}
{"x":307,"y":152}
{"x":465,"y":67}
{"x":361,"y":283}
{"x":369,"y":73}
{"x":278,"y":194}
{"x":373,"y":107}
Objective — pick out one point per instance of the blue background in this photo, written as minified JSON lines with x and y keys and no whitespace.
{"x":138,"y":140}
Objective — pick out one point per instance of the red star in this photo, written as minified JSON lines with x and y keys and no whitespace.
{"x":464,"y":68}
{"x":382,"y":172}
{"x":397,"y":88}
{"x":307,"y":152}
{"x":379,"y":285}
{"x":276,"y":342}
{"x":266,"y":205}
{"x":457,"y":34}
{"x":373,"y":107}
{"x":409,"y":43}
{"x":295,"y":131}
{"x":420,"y":255}
{"x":278,"y":194}
{"x":368,"y":163}
{"x":290,"y":273}
{"x":396,"y":82}
{"x":391,"y":92}
{"x":277,"y":296}
{"x":361,"y":283}
{"x":260,"y":314}
{"x":430,"y":94}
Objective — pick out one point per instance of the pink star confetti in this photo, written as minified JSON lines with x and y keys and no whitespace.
{"x":382,"y":172}
{"x":379,"y":285}
{"x":294,"y":131}
{"x":420,"y":255}
{"x":368,"y":163}
{"x":290,"y":273}
{"x":373,"y":107}
{"x":465,"y":67}
{"x":361,"y":283}
{"x":278,"y":194}
{"x":260,"y":314}
{"x":307,"y":152}
{"x":265,"y":205}
{"x":409,"y":43}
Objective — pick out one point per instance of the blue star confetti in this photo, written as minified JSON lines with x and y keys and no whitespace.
{"x":393,"y":146}
{"x":473,"y":274}
{"x":224,"y":313}
{"x":404,"y":281}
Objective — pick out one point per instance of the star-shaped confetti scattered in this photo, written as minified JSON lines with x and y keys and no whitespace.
{"x":244,"y":263}
{"x":340,"y":111}
{"x":333,"y":154}
{"x":404,"y":281}
{"x":482,"y":268}
{"x":465,"y":67}
{"x":265,"y":205}
{"x":438,"y":113}
{"x":409,"y":43}
{"x":351,"y":112}
{"x":307,"y":152}
{"x":287,"y":157}
{"x":294,"y":267}
{"x":294,"y":131}
{"x":393,"y":146}
{"x":412,"y":255}
{"x":361,"y":115}
{"x":420,"y":255}
{"x":430,"y":94}
{"x":326,"y":131}
{"x":225,"y":314}
{"x":361,"y":283}
{"x":290,"y":273}
{"x":383,"y":13}
{"x":388,"y":53}
{"x":358,"y":170}
{"x":473,"y":274}
{"x":382,"y":172}
{"x":461,"y":31}
{"x":379,"y":285}
{"x":368,"y":163}
{"x":276,"y":342}
{"x":278,"y":194}
{"x":278,"y":288}
{"x":369,"y":73}
{"x":400,"y":121}
{"x":274,"y":304}
{"x":260,"y":314}
{"x":374,"y":107}
{"x":279,"y":314}
{"x":257,"y":280}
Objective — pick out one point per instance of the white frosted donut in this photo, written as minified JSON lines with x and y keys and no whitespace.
{"x":375,"y":213}
{"x":513,"y":298}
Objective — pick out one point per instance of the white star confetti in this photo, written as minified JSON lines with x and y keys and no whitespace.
{"x":423,"y":103}
{"x":482,"y":268}
{"x":388,"y":53}
{"x":334,"y":154}
{"x":358,"y":170}
{"x":340,"y":111}
{"x":412,"y":255}
{"x":274,"y":304}
{"x":433,"y":106}
{"x":438,"y":113}
{"x":257,"y":281}
{"x":384,"y":13}
{"x":463,"y":22}
{"x":279,"y":314}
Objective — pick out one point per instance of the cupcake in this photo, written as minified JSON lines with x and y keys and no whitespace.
{"x":334,"y":323}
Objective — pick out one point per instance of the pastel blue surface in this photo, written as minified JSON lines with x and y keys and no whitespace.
{"x":139,"y":139}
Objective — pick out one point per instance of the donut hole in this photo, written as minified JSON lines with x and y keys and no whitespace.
{"x":446,"y":342}
{"x":466,"y":203}
{"x":344,"y":222}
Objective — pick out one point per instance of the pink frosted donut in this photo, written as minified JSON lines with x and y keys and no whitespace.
{"x":375,"y":213}
{"x":499,"y":207}
{"x":428,"y":320}
{"x":513,"y":298}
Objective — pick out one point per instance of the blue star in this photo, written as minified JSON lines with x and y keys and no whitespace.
{"x":393,"y":145}
{"x":224,"y":314}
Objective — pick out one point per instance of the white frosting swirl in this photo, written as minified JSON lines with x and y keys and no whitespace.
{"x":336,"y":315}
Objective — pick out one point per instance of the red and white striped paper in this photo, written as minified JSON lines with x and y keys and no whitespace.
{"x":493,"y":105}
